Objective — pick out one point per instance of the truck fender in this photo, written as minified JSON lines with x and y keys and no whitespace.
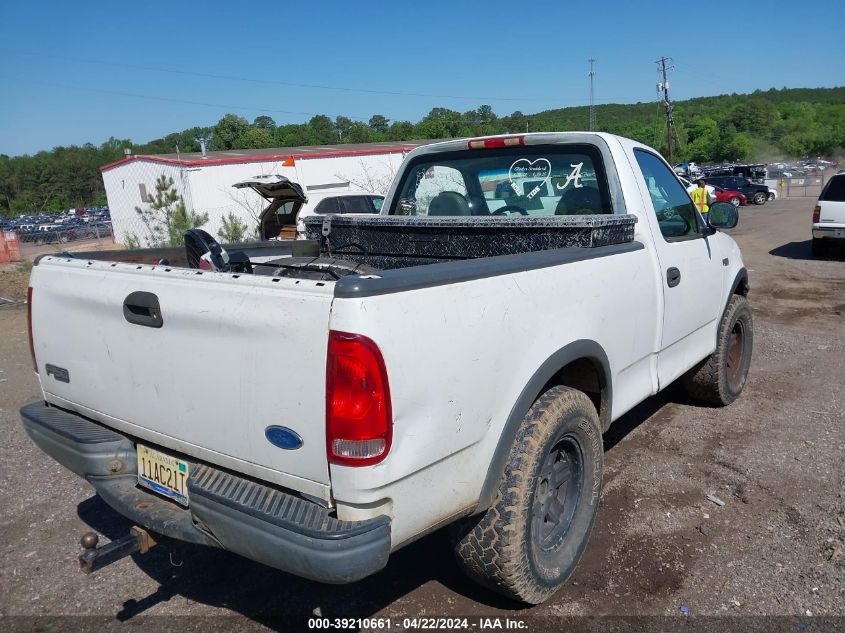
{"x":575,"y":350}
{"x":739,"y":286}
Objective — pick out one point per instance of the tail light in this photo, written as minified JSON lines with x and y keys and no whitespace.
{"x":359,"y":423}
{"x":501,"y":141}
{"x":816,"y":214}
{"x":29,"y":327}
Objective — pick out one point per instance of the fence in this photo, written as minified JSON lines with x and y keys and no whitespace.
{"x":809,"y":186}
{"x":57,"y":234}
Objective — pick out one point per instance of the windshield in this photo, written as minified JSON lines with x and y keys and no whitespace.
{"x":530,"y":180}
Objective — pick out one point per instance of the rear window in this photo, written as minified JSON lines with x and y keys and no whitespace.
{"x":834,"y":191}
{"x":528,"y":180}
{"x":327,"y":205}
{"x":357,"y":204}
{"x":349,"y":204}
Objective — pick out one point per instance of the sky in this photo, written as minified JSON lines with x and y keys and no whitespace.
{"x":82,"y":72}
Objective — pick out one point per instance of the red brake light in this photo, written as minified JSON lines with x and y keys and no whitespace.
{"x":816,"y":214}
{"x":29,"y":327}
{"x":501,"y":141}
{"x":359,"y":421}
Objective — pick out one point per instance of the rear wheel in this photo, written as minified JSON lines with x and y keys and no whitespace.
{"x":720,"y":378}
{"x":530,"y":540}
{"x":735,"y":201}
{"x":760,"y":198}
{"x":819,"y":248}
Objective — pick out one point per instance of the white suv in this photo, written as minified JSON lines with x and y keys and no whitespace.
{"x":829,"y":216}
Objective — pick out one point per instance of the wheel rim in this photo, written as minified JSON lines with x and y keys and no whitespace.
{"x":735,"y":202}
{"x":557,"y":493}
{"x":759,"y":198}
{"x":736,"y":352}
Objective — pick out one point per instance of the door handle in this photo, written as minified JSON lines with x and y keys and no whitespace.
{"x":673,"y":277}
{"x":142,"y":308}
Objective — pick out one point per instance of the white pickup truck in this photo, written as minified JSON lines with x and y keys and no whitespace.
{"x":440,"y":377}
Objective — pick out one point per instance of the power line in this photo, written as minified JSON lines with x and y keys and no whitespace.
{"x":134,"y":95}
{"x":276,"y":82}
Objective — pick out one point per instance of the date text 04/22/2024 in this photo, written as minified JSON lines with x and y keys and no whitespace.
{"x":418,"y":624}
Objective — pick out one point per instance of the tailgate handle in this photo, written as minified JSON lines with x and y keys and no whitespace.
{"x":673,"y":277}
{"x":141,"y":308}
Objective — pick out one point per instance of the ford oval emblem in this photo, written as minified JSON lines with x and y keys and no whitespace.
{"x":283,"y":437}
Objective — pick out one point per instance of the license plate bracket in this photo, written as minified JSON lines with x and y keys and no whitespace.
{"x":164,"y":474}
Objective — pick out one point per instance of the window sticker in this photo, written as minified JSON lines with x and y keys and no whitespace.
{"x":538,"y":170}
{"x":573,"y":177}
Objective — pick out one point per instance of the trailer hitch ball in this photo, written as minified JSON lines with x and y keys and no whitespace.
{"x":93,"y":558}
{"x":89,"y":540}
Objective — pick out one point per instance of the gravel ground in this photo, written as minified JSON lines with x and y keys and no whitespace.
{"x":776,"y":458}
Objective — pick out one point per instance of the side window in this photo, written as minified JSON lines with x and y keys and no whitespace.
{"x":327,"y":205}
{"x":675,"y":211}
{"x":355,"y":204}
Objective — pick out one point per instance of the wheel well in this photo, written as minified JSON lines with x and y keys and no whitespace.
{"x":587,"y":375}
{"x":742,"y":287}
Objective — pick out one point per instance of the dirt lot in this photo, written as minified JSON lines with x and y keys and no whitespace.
{"x":776,"y":458}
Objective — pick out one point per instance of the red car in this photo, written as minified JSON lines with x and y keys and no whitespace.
{"x":736,"y":198}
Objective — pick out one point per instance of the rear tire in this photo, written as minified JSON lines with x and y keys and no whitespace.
{"x":818,"y":248}
{"x":530,"y":540}
{"x":720,"y":378}
{"x":760,"y":198}
{"x":735,"y":201}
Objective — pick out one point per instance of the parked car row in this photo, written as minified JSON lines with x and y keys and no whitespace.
{"x":58,"y":234}
{"x":74,"y":224}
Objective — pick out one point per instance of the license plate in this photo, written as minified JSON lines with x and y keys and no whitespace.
{"x":164,"y":474}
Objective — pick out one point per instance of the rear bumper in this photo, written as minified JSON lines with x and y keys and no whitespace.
{"x":260,"y":522}
{"x":829,"y":232}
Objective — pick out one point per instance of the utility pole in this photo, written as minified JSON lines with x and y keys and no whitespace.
{"x":592,"y":96}
{"x":663,"y":87}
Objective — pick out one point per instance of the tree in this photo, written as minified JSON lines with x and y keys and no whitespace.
{"x":166,"y":218}
{"x":321,"y":130}
{"x":359,"y":133}
{"x":342,"y":125}
{"x":379,"y":123}
{"x":486,"y":114}
{"x":736,"y":147}
{"x":233,"y":230}
{"x":516,"y":122}
{"x":440,"y":123}
{"x":254,"y":138}
{"x":228,"y":131}
{"x":264,"y":122}
{"x":401,"y":131}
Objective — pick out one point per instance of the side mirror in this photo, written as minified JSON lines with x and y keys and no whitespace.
{"x":722,"y":215}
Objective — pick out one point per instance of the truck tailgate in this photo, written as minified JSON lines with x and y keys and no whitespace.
{"x":233,"y":355}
